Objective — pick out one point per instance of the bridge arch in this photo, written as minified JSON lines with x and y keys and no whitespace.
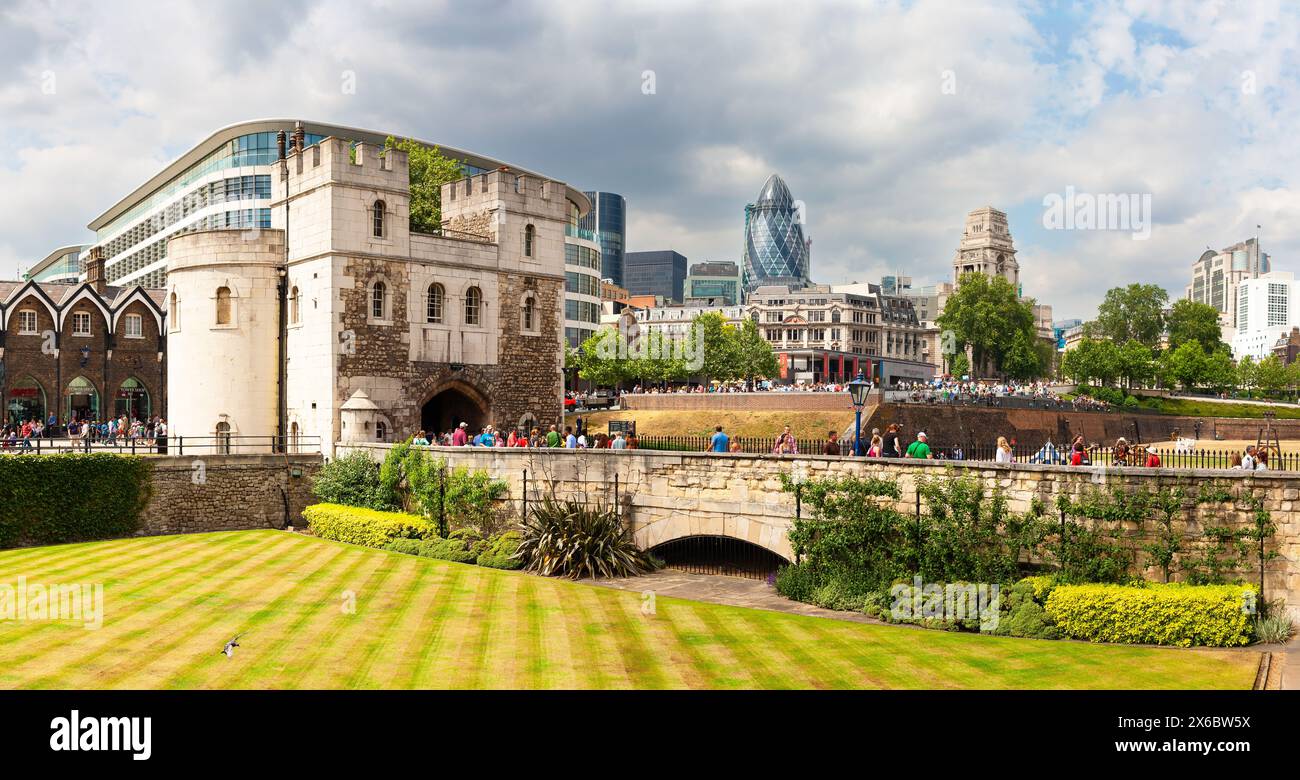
{"x":694,"y":537}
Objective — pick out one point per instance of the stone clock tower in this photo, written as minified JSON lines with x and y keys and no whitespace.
{"x":986,"y":248}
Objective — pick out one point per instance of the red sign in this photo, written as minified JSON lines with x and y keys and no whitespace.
{"x":783,"y":361}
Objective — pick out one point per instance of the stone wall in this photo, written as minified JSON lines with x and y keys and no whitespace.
{"x":228,"y":492}
{"x":668,"y":496}
{"x":980,"y":426}
{"x":766,"y":401}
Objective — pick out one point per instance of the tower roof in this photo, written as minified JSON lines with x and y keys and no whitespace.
{"x":775,"y":193}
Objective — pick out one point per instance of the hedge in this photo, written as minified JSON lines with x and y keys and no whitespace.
{"x":71,"y":497}
{"x":499,"y":554}
{"x":1156,"y":614}
{"x":366,"y":527}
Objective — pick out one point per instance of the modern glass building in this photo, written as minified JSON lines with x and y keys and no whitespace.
{"x":61,"y":265}
{"x":717,"y":283}
{"x":661,"y":273}
{"x":607,"y":221}
{"x":776,"y":249}
{"x":223,"y":182}
{"x":582,"y":274}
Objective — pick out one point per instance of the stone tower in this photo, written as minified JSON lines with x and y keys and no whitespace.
{"x":986,"y":247}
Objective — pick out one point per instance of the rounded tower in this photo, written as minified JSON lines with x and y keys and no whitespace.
{"x":222,"y":336}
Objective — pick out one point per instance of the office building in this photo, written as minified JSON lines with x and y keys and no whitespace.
{"x":713,"y":283}
{"x":607,"y":223}
{"x":776,"y":250}
{"x":660,"y":273}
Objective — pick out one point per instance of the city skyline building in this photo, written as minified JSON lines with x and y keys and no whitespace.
{"x":777,"y":250}
{"x":713,"y":282}
{"x":607,"y":221}
{"x":661,"y":273}
{"x":1217,"y":275}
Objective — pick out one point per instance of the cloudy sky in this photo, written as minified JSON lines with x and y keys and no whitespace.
{"x":889,"y":120}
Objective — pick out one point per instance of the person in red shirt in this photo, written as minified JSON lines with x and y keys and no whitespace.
{"x":1153,"y":460}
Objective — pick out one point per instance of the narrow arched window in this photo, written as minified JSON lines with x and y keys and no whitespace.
{"x":378,"y":227}
{"x":223,"y":305}
{"x":378,"y":300}
{"x":529,"y":314}
{"x":295,"y":306}
{"x":223,"y":438}
{"x":433,"y":304}
{"x":473,"y":306}
{"x":528,"y":240}
{"x":173,"y":313}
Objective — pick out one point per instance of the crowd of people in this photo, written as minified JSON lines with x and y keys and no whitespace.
{"x":757,"y":386}
{"x":573,"y":437}
{"x":22,"y":435}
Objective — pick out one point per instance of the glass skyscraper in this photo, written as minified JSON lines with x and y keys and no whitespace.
{"x":776,"y":249}
{"x":607,"y":221}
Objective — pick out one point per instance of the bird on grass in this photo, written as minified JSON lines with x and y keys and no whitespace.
{"x":229,"y":650}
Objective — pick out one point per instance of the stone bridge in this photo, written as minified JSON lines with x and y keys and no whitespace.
{"x":677,"y":495}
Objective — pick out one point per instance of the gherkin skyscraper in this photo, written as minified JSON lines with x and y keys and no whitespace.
{"x":776,"y":249}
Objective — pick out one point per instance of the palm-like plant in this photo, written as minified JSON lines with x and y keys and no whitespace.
{"x":571,"y":539}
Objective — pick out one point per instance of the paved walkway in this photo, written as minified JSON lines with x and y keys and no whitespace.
{"x":1289,"y":657}
{"x":717,"y":589}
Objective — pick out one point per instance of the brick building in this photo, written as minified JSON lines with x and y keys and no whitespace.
{"x":82,"y":350}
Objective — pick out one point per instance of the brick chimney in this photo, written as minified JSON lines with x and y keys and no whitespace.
{"x":95,"y":270}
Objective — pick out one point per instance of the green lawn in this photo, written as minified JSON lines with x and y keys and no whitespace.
{"x":171,"y":603}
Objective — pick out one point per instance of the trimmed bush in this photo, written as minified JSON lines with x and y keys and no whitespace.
{"x":500,"y":553}
{"x":1172,"y":614}
{"x":352,"y":480}
{"x":51,"y":499}
{"x":366,"y":527}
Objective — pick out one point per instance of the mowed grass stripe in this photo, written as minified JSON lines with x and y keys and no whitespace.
{"x":407,"y":634}
{"x":259,"y":627}
{"x":330,"y":664}
{"x":444,"y":670}
{"x":137,"y":625}
{"x":554,"y":635}
{"x":432,"y":631}
{"x":36,"y":638}
{"x":277,"y":653}
{"x":602,"y":651}
{"x":506,"y":642}
{"x":12,"y":562}
{"x":195,"y":633}
{"x":442,"y":625}
{"x":383,"y":638}
{"x":640,"y":663}
{"x":710,"y":657}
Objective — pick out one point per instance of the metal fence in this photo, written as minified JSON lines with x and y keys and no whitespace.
{"x":930,"y":398}
{"x":1170,"y":457}
{"x":167,"y":445}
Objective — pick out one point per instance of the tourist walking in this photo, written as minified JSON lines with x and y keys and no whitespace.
{"x":1004,"y":451}
{"x":919,"y":449}
{"x":832,"y":446}
{"x":1153,"y":459}
{"x":893,"y":445}
{"x":877,"y":444}
{"x":1121,"y":453}
{"x":460,"y":437}
{"x":619,"y":443}
{"x":420,"y":440}
{"x":718,"y":441}
{"x":785,"y":443}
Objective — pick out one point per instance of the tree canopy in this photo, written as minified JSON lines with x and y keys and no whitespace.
{"x":1129,"y":313}
{"x":987,"y":314}
{"x":429,"y":169}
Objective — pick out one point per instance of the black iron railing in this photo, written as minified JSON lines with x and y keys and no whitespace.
{"x":166,"y":445}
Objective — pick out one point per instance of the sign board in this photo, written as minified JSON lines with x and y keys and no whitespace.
{"x":627,"y":427}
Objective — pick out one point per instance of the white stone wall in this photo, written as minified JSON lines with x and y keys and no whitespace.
{"x":223,"y":373}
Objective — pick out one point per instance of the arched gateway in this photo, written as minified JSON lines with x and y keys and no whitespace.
{"x":451,"y":404}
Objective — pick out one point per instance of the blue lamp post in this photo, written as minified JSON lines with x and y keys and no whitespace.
{"x":859,"y":388}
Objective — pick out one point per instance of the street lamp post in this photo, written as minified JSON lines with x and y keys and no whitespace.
{"x":859,"y":388}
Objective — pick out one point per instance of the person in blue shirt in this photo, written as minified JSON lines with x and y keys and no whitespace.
{"x":719,"y":441}
{"x":570,"y":441}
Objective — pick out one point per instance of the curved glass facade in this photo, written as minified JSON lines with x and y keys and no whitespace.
{"x":776,"y":250}
{"x":607,"y":222}
{"x":65,"y":268}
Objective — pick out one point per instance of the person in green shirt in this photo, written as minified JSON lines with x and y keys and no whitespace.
{"x":552,"y":437}
{"x":918,"y":448}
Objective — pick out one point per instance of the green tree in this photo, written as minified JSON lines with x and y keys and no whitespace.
{"x":602,"y":358}
{"x":1093,"y":359}
{"x":1186,"y":366}
{"x":1247,"y":373}
{"x":754,"y":356}
{"x":958,"y":365}
{"x":429,"y":170}
{"x":1137,"y":364}
{"x":717,"y":339}
{"x":1271,"y":375}
{"x":1192,"y":321}
{"x":1220,"y":373}
{"x":987,"y":314}
{"x":1135,"y":312}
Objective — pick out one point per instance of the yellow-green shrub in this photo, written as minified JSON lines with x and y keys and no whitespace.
{"x":1173,"y":614}
{"x":367,"y":527}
